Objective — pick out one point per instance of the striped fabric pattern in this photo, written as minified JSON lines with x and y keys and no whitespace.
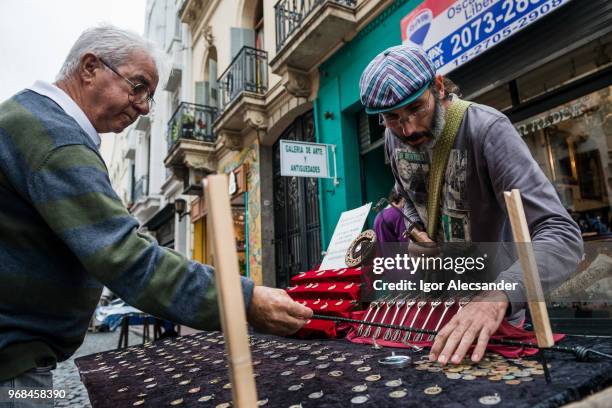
{"x":393,"y":76}
{"x":64,"y":233}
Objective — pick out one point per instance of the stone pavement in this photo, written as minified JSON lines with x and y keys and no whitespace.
{"x":66,"y":376}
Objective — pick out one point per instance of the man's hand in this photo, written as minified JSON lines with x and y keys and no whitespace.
{"x":273,"y":311}
{"x":479,"y":319}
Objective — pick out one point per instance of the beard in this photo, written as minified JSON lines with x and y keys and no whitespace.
{"x":435,"y":127}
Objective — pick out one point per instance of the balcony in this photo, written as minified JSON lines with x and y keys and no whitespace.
{"x":248,"y":72}
{"x":242,"y":90}
{"x":306,"y":31}
{"x":193,"y":122}
{"x":191,"y":143}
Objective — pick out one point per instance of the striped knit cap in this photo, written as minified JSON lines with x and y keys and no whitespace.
{"x":394,"y":78}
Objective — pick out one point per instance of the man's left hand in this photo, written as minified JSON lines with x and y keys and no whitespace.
{"x":479,"y":319}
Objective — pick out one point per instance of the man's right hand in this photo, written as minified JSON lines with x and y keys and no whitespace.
{"x":273,"y":311}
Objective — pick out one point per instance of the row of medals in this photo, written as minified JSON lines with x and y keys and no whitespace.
{"x":493,"y":367}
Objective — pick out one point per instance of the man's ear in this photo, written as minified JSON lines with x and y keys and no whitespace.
{"x":87,"y":67}
{"x":440,"y":85}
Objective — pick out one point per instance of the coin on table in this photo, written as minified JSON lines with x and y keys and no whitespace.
{"x":522,"y":373}
{"x":151,"y":385}
{"x":262,"y":402}
{"x":169,"y":369}
{"x":124,"y":389}
{"x":286,"y":373}
{"x":142,"y":394}
{"x":224,"y":405}
{"x":227,"y":386}
{"x":435,"y":390}
{"x":526,"y":379}
{"x":302,"y":363}
{"x":179,"y":375}
{"x":275,"y":355}
{"x":291,"y":358}
{"x":339,"y":359}
{"x":453,"y":376}
{"x":315,"y":395}
{"x":308,"y":376}
{"x":537,"y":372}
{"x":113,"y":376}
{"x":194,"y":390}
{"x":360,"y":388}
{"x":508,"y":377}
{"x":495,"y":378}
{"x":455,"y":369}
{"x":364,"y":369}
{"x":295,"y":406}
{"x":468,"y":377}
{"x":205,"y":398}
{"x":335,"y":373}
{"x":490,"y":399}
{"x":148,"y":379}
{"x":434,"y":369}
{"x":322,"y":366}
{"x":323,"y":357}
{"x":357,"y":362}
{"x":359,"y":399}
{"x":513,"y":382}
{"x":394,"y":383}
{"x":398,"y":394}
{"x":373,"y":377}
{"x":177,"y":402}
{"x":185,"y":382}
{"x":422,"y":367}
{"x":295,"y":387}
{"x":139,"y":402}
{"x":215,"y":380}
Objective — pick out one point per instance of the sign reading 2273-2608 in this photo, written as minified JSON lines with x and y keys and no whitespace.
{"x":455,"y":31}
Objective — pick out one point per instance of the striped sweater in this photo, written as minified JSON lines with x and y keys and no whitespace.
{"x":64,"y":233}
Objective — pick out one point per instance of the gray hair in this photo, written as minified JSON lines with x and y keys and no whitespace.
{"x":115,"y":46}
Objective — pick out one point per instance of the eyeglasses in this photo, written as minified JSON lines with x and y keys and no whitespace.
{"x":412,"y":114}
{"x":140,"y":92}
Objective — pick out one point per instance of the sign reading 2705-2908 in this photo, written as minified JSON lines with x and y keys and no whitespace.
{"x":455,"y":31}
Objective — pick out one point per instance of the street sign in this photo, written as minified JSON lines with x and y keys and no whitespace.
{"x":455,"y":31}
{"x":304,"y":159}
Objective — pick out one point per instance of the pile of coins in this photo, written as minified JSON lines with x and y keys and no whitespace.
{"x":493,"y":367}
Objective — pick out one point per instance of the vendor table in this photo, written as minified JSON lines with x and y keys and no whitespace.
{"x":192,"y":371}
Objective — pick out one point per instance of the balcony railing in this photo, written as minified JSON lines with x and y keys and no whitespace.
{"x":141,"y":188}
{"x":248,"y":72}
{"x":291,"y":13}
{"x":192,"y":121}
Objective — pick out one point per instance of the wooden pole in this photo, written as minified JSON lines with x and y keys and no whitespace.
{"x":229,"y":289}
{"x":531,"y":277}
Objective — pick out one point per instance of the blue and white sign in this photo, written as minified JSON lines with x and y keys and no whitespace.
{"x":456,"y":31}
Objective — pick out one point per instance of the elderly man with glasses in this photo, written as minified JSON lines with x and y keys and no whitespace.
{"x":64,"y":232}
{"x":474,"y":164}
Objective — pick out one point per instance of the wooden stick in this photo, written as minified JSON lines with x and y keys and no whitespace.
{"x":229,"y":289}
{"x":531,"y":277}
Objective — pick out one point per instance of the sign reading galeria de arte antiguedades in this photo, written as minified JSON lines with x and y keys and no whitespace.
{"x":455,"y":31}
{"x":304,"y":159}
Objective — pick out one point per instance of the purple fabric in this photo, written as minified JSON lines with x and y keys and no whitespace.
{"x":389,"y":225}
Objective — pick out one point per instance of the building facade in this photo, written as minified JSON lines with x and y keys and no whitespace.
{"x":551,"y":77}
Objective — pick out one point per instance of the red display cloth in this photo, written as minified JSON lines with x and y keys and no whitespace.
{"x":332,"y":292}
{"x":506,"y":331}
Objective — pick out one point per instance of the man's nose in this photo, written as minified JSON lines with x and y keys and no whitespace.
{"x":407,"y":128}
{"x":143,"y":108}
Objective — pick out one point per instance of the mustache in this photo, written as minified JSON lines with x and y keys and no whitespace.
{"x":417,"y":135}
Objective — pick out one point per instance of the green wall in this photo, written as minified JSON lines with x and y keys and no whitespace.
{"x":339,"y":95}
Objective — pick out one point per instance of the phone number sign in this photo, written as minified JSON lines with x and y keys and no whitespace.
{"x":455,"y":31}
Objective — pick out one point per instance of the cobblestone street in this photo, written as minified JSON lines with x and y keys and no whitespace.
{"x":66,"y":376}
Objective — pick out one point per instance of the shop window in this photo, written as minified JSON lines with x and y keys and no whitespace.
{"x":371,"y":133}
{"x":573,"y":145}
{"x":498,"y":98}
{"x":574,"y":65}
